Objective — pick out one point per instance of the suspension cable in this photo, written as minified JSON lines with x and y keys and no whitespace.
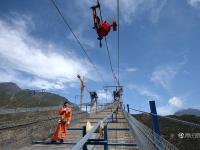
{"x":77,"y":40}
{"x":108,"y":52}
{"x":118,"y":36}
{"x":100,"y":12}
{"x":111,"y":67}
{"x":173,"y":119}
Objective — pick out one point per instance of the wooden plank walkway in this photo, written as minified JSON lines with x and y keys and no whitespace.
{"x":118,"y":133}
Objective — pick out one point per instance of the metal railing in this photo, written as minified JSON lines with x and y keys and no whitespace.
{"x":89,"y":135}
{"x":146,"y":138}
{"x":21,"y":134}
{"x":183,"y":122}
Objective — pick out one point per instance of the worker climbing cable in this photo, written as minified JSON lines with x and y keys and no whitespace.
{"x":102,"y":27}
{"x":65,"y":118}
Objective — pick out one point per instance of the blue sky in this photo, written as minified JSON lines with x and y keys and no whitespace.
{"x":159,"y":50}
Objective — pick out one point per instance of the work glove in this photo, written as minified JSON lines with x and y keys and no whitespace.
{"x":63,"y":121}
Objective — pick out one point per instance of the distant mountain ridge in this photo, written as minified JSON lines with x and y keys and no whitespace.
{"x":9,"y":87}
{"x":12,"y":96}
{"x":189,"y":111}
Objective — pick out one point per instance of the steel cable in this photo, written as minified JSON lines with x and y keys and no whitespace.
{"x":78,"y":41}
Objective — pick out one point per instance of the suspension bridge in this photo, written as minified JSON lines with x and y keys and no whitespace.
{"x":120,"y":131}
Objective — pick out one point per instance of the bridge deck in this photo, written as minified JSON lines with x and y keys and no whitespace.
{"x":119,"y":136}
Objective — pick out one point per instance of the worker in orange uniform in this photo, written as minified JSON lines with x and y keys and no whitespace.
{"x":102,"y":27}
{"x":65,"y":119}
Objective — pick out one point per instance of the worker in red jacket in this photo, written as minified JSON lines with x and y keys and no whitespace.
{"x":65,"y":119}
{"x":102,"y":27}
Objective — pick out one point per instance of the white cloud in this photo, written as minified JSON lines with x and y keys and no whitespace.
{"x":131,"y":69}
{"x":176,"y":102}
{"x":166,"y":110}
{"x":163,"y":75}
{"x":28,"y":82}
{"x":39,"y":62}
{"x":129,"y":9}
{"x":144,"y":91}
{"x":155,"y":13}
{"x":194,"y":3}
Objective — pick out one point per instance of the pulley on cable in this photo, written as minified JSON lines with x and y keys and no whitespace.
{"x":102,"y":27}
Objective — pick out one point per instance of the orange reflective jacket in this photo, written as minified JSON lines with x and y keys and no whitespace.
{"x":65,"y":114}
{"x":104,"y":29}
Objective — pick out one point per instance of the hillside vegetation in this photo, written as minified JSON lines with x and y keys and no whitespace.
{"x":11,"y":96}
{"x":170,"y":130}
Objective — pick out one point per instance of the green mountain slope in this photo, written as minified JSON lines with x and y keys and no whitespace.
{"x":11,"y":96}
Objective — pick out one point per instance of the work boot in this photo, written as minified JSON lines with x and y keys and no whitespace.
{"x":95,"y":6}
{"x":53,"y":141}
{"x":61,"y":140}
{"x":114,"y":25}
